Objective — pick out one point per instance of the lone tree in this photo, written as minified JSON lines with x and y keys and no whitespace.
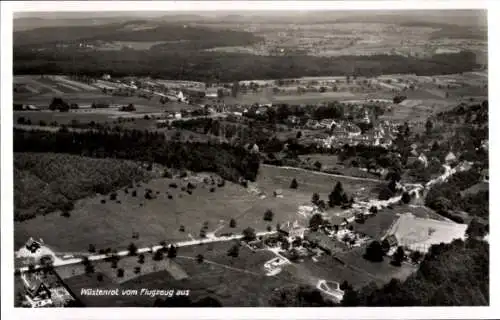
{"x":249,"y":234}
{"x":268,"y":215}
{"x":374,"y":252}
{"x":373,"y":210}
{"x":172,"y":251}
{"x":132,"y":249}
{"x":200,"y":258}
{"x":141,"y":258}
{"x":315,"y":221}
{"x":315,"y":198}
{"x":120,"y":273}
{"x":318,"y":165}
{"x":234,"y":251}
{"x":406,"y":198}
{"x":91,"y":248}
{"x":337,"y":197}
{"x":137,"y":270}
{"x":232,"y":223}
{"x":294,"y":184}
{"x":428,"y":127}
{"x":158,"y":255}
{"x":398,"y":257}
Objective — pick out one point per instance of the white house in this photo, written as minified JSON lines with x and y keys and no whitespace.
{"x":450,"y":157}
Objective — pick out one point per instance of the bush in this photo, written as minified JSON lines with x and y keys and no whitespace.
{"x":103,"y":201}
{"x":249,"y":234}
{"x":182,"y":229}
{"x":158,"y":255}
{"x":137,"y":270}
{"x":268,"y":215}
{"x":173,"y":185}
{"x":134,"y":193}
{"x":91,"y":248}
{"x":294,"y":184}
{"x":406,"y":198}
{"x":141,"y":258}
{"x":374,"y":252}
{"x":234,"y":251}
{"x":232,"y":223}
{"x":120,"y":273}
{"x":199,"y":258}
{"x":212,"y":189}
{"x":65,"y":214}
{"x":132,"y":249}
{"x":112,"y":196}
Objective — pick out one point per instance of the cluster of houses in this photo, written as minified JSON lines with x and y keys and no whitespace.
{"x":344,"y":132}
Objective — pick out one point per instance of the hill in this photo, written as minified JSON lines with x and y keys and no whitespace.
{"x":455,"y":274}
{"x":45,"y":182}
{"x":133,"y":30}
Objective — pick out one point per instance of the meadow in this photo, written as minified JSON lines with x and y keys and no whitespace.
{"x":112,"y":223}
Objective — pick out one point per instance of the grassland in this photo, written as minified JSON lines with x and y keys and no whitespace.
{"x":111,"y":224}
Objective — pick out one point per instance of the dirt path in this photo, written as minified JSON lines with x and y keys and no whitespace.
{"x":222,"y":265}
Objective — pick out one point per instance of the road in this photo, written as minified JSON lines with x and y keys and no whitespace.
{"x":97,"y":257}
{"x":324,"y":173}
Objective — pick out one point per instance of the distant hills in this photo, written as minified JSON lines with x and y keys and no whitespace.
{"x":466,"y":18}
{"x":133,"y":30}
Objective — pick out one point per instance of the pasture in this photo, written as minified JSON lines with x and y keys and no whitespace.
{"x":112,"y":223}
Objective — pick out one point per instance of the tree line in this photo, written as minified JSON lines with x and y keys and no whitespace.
{"x":179,"y":64}
{"x":230,"y":162}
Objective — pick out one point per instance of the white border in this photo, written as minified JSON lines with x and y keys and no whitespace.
{"x":8,"y":312}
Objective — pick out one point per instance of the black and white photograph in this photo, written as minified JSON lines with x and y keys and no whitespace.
{"x":248,"y":158}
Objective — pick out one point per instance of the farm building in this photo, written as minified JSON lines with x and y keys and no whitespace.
{"x":419,"y":234}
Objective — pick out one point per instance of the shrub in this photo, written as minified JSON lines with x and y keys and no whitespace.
{"x":132,"y":249}
{"x":199,"y":258}
{"x":268,"y":215}
{"x":120,"y":273}
{"x":294,"y":184}
{"x":141,"y":258}
{"x":232,"y":223}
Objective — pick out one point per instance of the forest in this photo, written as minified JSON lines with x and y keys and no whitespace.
{"x":455,"y":274}
{"x":195,"y":65}
{"x":230,"y":162}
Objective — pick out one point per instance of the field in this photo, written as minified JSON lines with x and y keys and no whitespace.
{"x":219,"y":276}
{"x":111,"y":224}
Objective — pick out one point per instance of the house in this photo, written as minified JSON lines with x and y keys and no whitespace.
{"x":293,"y":120}
{"x":392,"y":240}
{"x":323,"y":242}
{"x":313,"y":124}
{"x":327,"y":123}
{"x":212,"y":93}
{"x":450,"y":157}
{"x":32,"y":245}
{"x":292,"y":230}
{"x":106,"y":77}
{"x":423,"y":159}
